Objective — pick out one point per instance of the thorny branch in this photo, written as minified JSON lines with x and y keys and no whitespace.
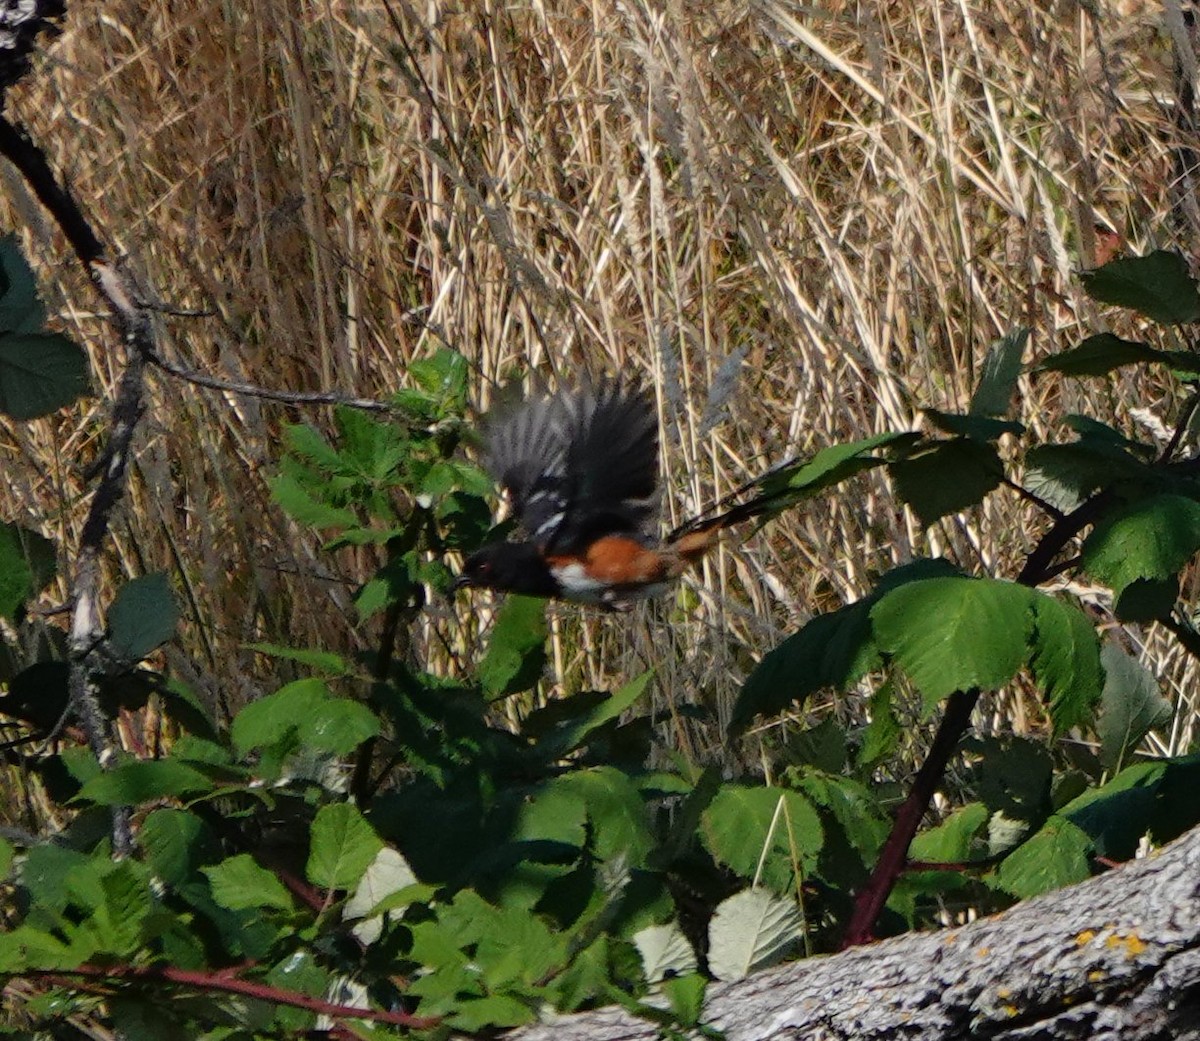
{"x":287,"y":397}
{"x":133,"y":323}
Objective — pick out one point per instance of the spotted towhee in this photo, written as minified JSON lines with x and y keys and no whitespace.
{"x":581,"y":471}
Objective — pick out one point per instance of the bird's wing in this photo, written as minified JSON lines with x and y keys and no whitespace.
{"x":578,"y":465}
{"x":611,"y":471}
{"x":527,"y":455}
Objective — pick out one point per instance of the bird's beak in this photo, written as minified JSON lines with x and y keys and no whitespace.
{"x":462,"y":582}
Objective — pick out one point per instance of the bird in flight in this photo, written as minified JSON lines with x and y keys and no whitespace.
{"x":580,"y":469}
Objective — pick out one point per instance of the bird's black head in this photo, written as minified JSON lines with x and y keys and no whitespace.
{"x":511,"y":567}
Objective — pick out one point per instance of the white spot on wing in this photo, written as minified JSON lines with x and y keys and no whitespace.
{"x":548,"y":525}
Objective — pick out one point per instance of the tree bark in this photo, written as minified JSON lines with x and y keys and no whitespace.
{"x":1116,"y":958}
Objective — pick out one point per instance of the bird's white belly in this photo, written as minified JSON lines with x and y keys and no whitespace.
{"x":580,"y":587}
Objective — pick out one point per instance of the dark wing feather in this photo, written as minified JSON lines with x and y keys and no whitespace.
{"x":579,"y":465}
{"x":611,"y":465}
{"x":527,"y":454}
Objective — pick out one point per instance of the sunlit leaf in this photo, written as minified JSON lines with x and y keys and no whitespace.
{"x":750,"y":931}
{"x":761,"y":830}
{"x":516,"y":654}
{"x":240,"y":884}
{"x":951,"y":634}
{"x":1152,"y":537}
{"x":1056,"y":856}
{"x":1066,"y":660}
{"x":341,"y":847}
{"x":132,"y":783}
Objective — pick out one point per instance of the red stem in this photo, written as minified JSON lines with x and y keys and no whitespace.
{"x":893,"y":856}
{"x":217,"y":981}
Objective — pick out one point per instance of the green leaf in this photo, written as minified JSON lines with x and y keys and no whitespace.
{"x":298,"y":504}
{"x":881,"y":736}
{"x":6,"y":858}
{"x":133,"y":783}
{"x":342,"y":847}
{"x":20,"y":309}
{"x":176,"y":842}
{"x":1152,"y":537}
{"x":27,"y":564}
{"x":306,"y":710}
{"x":620,"y":825}
{"x":393,"y":583}
{"x":126,"y":904}
{"x":686,"y":997}
{"x":951,"y":634}
{"x":328,"y":662}
{"x":475,"y":1015}
{"x":1066,"y":660}
{"x":1157,"y":285}
{"x":183,"y":706}
{"x":854,"y":807}
{"x":1001,"y":367}
{"x":822,"y":746}
{"x":751,"y":930}
{"x":574,"y":734}
{"x":1101,"y":437}
{"x":1185,"y":365}
{"x":512,"y":946}
{"x":465,"y":520}
{"x":44,"y":874}
{"x":981,"y":428}
{"x":1147,"y":599}
{"x":1065,"y":475}
{"x":241,"y":885}
{"x":146,"y":1020}
{"x":1098,"y":355}
{"x":762,"y":828}
{"x":516,"y":654}
{"x":143,"y":616}
{"x":372,"y":447}
{"x":832,"y":650}
{"x":28,"y":947}
{"x":443,"y":376}
{"x":303,"y":441}
{"x":585,"y":979}
{"x":1177,"y":809}
{"x":1013,"y":776}
{"x":1056,"y":856}
{"x":339,"y":726}
{"x":1117,"y":815}
{"x":1131,"y":706}
{"x":40,"y":373}
{"x":830,"y":465}
{"x":950,"y":842}
{"x":947,"y":478}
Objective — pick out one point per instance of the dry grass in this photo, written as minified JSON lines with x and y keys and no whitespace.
{"x":852,"y":201}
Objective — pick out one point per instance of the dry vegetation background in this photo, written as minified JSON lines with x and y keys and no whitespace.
{"x":797,"y":223}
